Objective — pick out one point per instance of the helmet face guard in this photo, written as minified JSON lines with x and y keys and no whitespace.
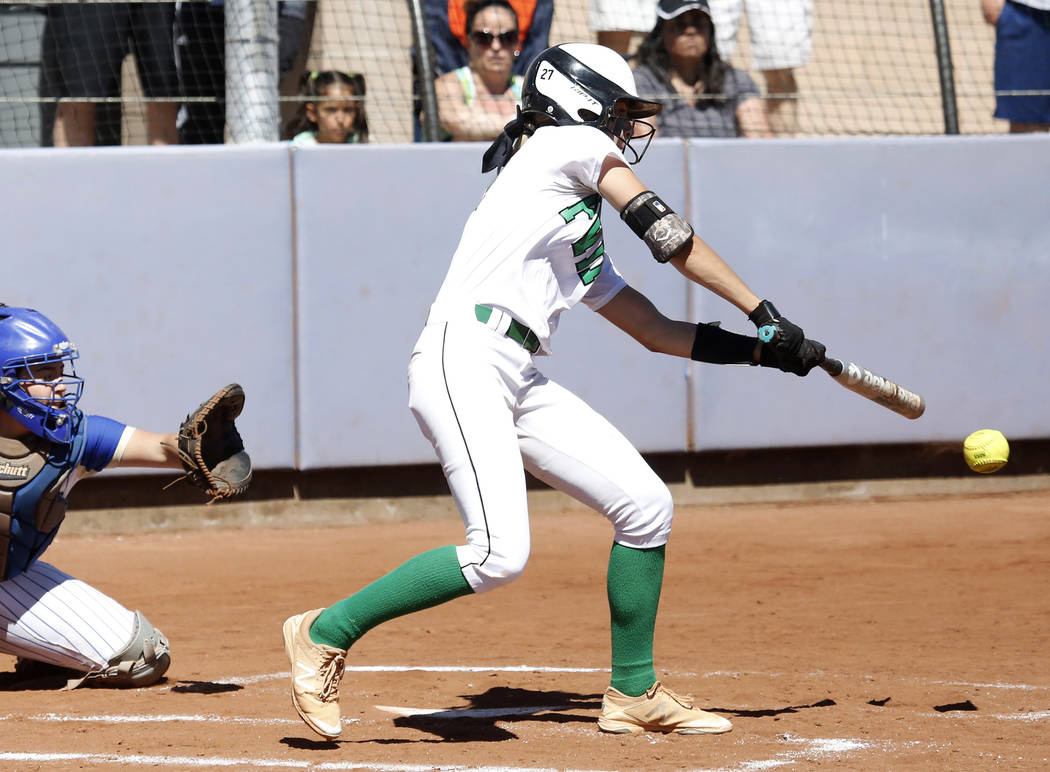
{"x":633,"y":135}
{"x":29,"y":340}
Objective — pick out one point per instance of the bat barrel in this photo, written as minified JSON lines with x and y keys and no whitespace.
{"x":876,"y":388}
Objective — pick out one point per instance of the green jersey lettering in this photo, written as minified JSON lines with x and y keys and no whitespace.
{"x":590,"y":205}
{"x":590,"y":266}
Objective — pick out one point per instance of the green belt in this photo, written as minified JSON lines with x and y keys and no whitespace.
{"x":517,"y":331}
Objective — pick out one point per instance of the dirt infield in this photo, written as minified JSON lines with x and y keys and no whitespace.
{"x":832,"y":634}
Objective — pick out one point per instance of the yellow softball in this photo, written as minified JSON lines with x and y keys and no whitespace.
{"x":986,"y":451}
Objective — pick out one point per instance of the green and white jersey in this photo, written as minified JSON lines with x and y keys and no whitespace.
{"x":534,"y":246}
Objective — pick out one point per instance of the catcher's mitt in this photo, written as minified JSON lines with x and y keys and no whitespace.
{"x":211,"y":449}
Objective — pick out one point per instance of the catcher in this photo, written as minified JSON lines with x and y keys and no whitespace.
{"x":53,"y":623}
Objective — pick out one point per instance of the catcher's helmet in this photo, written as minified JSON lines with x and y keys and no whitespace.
{"x":585,"y":83}
{"x":28,"y":339}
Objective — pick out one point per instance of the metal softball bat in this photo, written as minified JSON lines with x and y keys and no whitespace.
{"x":875,"y":387}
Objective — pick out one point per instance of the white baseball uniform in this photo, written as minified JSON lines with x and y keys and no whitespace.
{"x":532,"y":249}
{"x":46,"y":614}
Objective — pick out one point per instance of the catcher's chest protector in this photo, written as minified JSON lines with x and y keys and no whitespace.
{"x":31,"y":505}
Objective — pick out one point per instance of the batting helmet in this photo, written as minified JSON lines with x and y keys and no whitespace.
{"x":588,"y":84}
{"x":579,"y":83}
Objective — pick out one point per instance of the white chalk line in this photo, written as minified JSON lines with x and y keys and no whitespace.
{"x":819,"y":749}
{"x":821,"y":674}
{"x":1033,"y":716}
{"x":811,"y":749}
{"x":212,"y":762}
{"x":110,"y":718}
{"x":245,"y":680}
{"x":405,"y":711}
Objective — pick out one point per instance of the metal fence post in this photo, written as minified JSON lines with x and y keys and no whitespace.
{"x":431,"y":125}
{"x":252,"y":112}
{"x":944,"y":67}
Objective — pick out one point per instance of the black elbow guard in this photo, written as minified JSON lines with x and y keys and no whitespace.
{"x":657,"y":225}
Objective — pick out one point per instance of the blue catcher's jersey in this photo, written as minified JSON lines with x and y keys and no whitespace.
{"x":35,"y":478}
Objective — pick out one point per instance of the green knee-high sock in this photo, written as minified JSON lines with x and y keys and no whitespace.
{"x":634,"y":581}
{"x":428,"y":579}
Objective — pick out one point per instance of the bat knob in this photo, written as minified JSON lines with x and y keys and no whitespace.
{"x":766,"y":332}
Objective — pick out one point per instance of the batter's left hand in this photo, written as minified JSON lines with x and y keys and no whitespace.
{"x":810,"y":354}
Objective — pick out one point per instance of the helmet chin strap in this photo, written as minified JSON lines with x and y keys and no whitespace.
{"x":502,"y":147}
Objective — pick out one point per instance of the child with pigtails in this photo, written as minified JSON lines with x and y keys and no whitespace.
{"x":331,"y":109}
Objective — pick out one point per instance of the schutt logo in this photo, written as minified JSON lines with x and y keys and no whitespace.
{"x":9,"y":471}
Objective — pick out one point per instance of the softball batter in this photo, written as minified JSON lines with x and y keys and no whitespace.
{"x":532,"y":249}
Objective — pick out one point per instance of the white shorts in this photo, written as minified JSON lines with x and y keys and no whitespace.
{"x":634,"y":15}
{"x":781,"y":31}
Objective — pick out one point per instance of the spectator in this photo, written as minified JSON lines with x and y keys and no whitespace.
{"x":200,"y":43}
{"x":620,"y":24}
{"x":51,"y":88}
{"x":446,"y":22}
{"x":702,"y":95}
{"x":332,"y":109}
{"x":1022,"y":61}
{"x":476,"y":101}
{"x":781,"y":41}
{"x":89,"y":42}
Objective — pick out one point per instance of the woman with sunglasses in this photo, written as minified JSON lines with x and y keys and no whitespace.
{"x":476,"y":101}
{"x":702,"y":95}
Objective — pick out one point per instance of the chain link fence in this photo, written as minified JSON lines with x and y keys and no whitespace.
{"x":208,"y":71}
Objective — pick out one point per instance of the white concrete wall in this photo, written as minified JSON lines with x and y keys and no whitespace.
{"x":306,"y":275}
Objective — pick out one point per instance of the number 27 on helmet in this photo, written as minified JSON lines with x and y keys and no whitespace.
{"x":588,"y":84}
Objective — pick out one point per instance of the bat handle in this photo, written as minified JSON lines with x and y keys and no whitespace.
{"x":832,"y":366}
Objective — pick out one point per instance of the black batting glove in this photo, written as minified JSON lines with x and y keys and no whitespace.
{"x":773,"y":328}
{"x":810,"y":355}
{"x":784,"y":344}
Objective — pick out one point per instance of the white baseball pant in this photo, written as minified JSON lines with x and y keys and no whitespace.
{"x":488,"y":411}
{"x":48,"y":616}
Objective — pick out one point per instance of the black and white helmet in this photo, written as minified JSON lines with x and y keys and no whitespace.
{"x":579,"y":83}
{"x":582,"y":83}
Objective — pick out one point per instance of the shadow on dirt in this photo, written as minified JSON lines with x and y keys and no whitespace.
{"x":772,"y":711}
{"x":485,"y":718}
{"x":33,"y":676}
{"x":305,"y":744}
{"x":17,"y":682}
{"x":205,"y":687}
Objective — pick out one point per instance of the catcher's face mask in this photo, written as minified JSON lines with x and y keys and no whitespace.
{"x":34,"y":387}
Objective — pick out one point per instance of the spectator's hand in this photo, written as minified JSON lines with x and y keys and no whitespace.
{"x":991,"y":10}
